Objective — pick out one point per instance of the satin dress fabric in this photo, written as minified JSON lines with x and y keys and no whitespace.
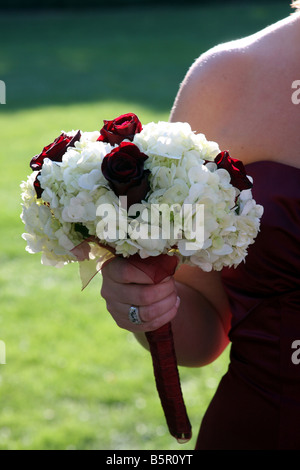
{"x":257,"y":403}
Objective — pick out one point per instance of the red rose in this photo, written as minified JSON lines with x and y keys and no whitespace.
{"x":236,"y":170}
{"x":123,"y":127}
{"x":123,"y":167}
{"x":54,"y":152}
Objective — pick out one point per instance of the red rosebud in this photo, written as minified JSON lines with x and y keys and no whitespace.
{"x":54,"y":152}
{"x":123,"y":127}
{"x":123,"y":168}
{"x":236,"y":170}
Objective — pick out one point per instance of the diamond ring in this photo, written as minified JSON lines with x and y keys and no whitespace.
{"x":134,"y":316}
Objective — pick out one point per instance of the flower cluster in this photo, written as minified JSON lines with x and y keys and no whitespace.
{"x":152,"y":189}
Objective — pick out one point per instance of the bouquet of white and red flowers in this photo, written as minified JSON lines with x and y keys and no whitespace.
{"x":157,"y":194}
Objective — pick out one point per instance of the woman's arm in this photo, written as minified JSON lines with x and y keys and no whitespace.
{"x":200,"y":322}
{"x":202,"y":319}
{"x":219,"y":97}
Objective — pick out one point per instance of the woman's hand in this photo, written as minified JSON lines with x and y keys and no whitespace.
{"x":125,"y":285}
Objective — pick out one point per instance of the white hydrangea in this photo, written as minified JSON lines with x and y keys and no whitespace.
{"x":175,"y":141}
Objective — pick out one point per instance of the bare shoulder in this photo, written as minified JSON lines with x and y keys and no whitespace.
{"x":212,"y":82}
{"x":232,"y":91}
{"x":221,"y":74}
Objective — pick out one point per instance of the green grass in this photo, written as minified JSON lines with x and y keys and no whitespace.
{"x":72,"y":378}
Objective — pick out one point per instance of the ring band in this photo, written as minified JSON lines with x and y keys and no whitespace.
{"x":133,"y":315}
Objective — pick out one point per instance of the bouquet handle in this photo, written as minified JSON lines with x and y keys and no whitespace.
{"x":160,"y":341}
{"x":168,"y":382}
{"x":163,"y":355}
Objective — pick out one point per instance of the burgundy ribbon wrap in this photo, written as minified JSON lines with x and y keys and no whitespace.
{"x":160,"y":341}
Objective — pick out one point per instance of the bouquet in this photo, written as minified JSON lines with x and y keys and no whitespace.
{"x":159,"y":195}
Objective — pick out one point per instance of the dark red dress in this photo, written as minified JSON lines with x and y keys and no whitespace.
{"x":257,"y":404}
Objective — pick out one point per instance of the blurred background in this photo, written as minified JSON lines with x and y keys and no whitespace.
{"x":72,"y":379}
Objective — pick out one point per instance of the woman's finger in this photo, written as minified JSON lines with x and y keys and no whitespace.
{"x":152,"y":316}
{"x":136,"y":294}
{"x":122,"y":271}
